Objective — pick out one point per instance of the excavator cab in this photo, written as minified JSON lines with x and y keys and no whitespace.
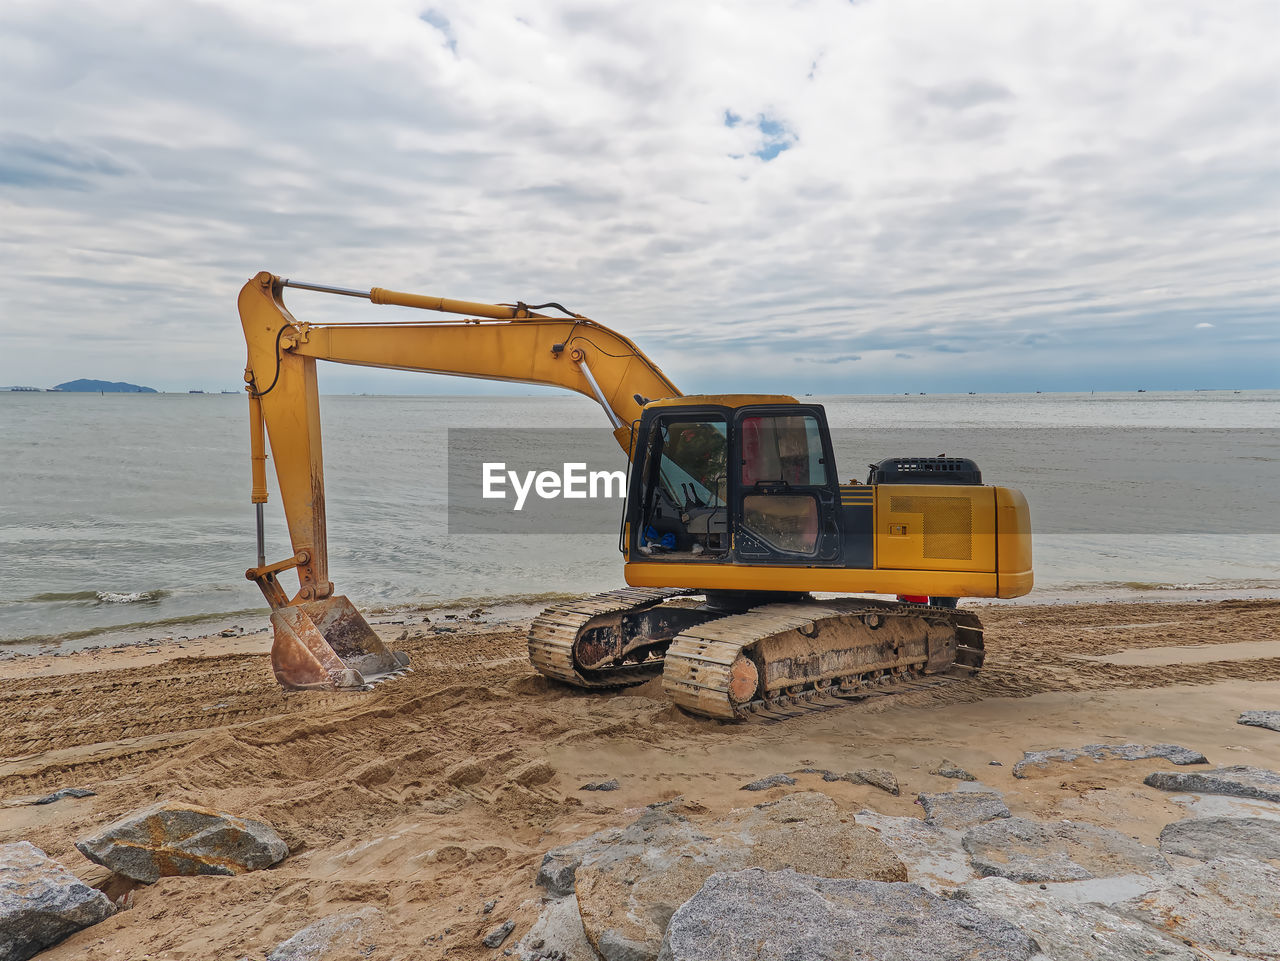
{"x":742,"y":480}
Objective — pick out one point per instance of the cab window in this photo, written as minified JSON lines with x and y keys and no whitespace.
{"x":686,"y":489}
{"x":781,"y":460}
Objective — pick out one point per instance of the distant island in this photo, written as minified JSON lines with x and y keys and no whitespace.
{"x":105,"y":387}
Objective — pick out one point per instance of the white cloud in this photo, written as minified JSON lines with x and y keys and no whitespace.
{"x":1020,"y":186}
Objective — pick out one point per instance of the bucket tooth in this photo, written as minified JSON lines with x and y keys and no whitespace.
{"x":328,"y":645}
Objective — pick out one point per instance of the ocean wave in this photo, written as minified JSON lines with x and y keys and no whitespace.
{"x":97,"y":597}
{"x":129,"y":597}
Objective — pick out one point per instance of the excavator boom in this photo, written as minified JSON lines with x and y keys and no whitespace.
{"x":318,"y":636}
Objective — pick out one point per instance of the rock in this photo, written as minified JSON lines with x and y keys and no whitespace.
{"x":1078,"y":932}
{"x":630,"y":881}
{"x":499,"y":934}
{"x":1238,"y":781}
{"x":936,"y":858}
{"x":876,"y":777}
{"x":1268,"y":719}
{"x":488,"y":907}
{"x":1040,"y":760}
{"x":963,"y":809}
{"x":559,"y":865}
{"x":773,"y":780}
{"x":1228,"y":905}
{"x":64,"y":793}
{"x":335,"y":938}
{"x":41,"y":902}
{"x":785,"y":916}
{"x":557,"y":933}
{"x":1208,"y":839}
{"x":169,"y":839}
{"x":533,"y":773}
{"x":1023,"y":850}
{"x":948,"y":768}
{"x":609,"y":785}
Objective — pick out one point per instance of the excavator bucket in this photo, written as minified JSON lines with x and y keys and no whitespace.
{"x":328,"y":645}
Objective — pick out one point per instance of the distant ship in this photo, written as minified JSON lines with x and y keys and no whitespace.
{"x":195,"y":392}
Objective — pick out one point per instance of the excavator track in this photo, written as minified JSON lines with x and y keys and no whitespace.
{"x":773,"y":661}
{"x":556,"y":633}
{"x":779,"y":660}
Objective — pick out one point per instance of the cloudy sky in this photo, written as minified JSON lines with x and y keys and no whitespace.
{"x":818,"y":195}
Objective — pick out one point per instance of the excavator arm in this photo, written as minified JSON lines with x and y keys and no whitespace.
{"x":495,"y":342}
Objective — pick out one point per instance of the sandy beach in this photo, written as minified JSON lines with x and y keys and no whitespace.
{"x":364,"y":788}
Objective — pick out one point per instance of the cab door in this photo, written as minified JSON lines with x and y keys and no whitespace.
{"x":785,"y":491}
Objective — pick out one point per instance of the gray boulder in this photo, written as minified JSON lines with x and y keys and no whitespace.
{"x":1254,"y":783}
{"x":873,"y":776}
{"x":498,"y":934}
{"x":560,"y":865}
{"x":935,"y":858}
{"x":1208,"y":839}
{"x":41,"y":902}
{"x":1039,"y":761}
{"x":1224,"y":906}
{"x":1023,"y":850}
{"x":948,"y":768}
{"x":1073,"y":932}
{"x":335,"y":938}
{"x":785,"y":916}
{"x":876,"y":777}
{"x":66,"y":792}
{"x":773,"y":780}
{"x":628,"y":882}
{"x":557,"y":933}
{"x":963,"y":809}
{"x":1268,"y":719}
{"x":170,"y":839}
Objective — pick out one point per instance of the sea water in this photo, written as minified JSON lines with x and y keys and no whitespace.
{"x":127,"y":516}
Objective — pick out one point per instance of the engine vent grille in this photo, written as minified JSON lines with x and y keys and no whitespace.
{"x":947,"y":522}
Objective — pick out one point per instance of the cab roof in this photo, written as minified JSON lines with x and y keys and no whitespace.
{"x":722,"y":400}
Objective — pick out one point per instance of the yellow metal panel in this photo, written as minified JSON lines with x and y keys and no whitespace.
{"x":936,"y":527}
{"x":1013,"y":542}
{"x":727,"y":577}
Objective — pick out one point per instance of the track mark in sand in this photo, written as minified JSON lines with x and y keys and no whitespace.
{"x":1191,"y":654}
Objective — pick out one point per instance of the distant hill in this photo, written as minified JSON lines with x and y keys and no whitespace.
{"x":105,"y":386}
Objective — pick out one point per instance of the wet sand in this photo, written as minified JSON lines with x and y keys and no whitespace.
{"x":358,"y":784}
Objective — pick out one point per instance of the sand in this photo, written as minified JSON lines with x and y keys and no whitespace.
{"x":359,"y":784}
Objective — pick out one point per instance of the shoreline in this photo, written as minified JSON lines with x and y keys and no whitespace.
{"x":502,"y":612}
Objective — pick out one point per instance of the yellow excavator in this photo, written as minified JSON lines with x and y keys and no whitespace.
{"x":735,"y":516}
